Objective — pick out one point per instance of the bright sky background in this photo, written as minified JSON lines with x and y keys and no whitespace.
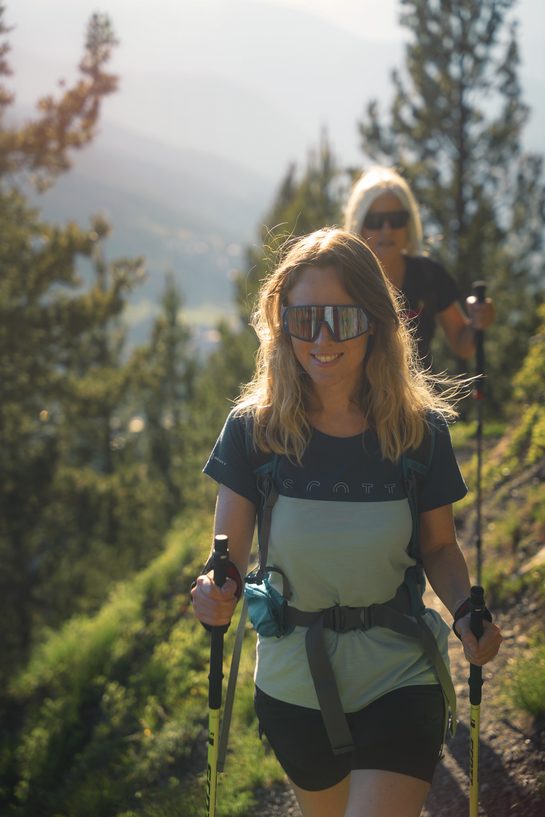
{"x":167,"y":37}
{"x":179,"y":72}
{"x":54,"y":27}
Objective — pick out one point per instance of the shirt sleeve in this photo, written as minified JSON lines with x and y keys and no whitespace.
{"x":229,"y":463}
{"x":443,"y":484}
{"x":447,"y":291}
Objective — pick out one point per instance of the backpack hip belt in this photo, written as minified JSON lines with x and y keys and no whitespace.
{"x":396,"y":615}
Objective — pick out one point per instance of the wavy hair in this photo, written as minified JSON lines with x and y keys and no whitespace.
{"x":374,"y":183}
{"x":395,"y":394}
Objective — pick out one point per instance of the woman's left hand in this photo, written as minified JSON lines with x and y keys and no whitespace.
{"x":486,"y":648}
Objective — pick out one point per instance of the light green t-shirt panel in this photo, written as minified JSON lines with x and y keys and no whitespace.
{"x":352,"y":553}
{"x":369,"y":545}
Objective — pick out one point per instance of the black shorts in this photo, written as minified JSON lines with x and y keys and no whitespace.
{"x":401,"y":732}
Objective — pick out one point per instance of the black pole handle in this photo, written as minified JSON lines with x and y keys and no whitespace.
{"x":479,"y":290}
{"x":476,"y":606}
{"x":220,"y":556}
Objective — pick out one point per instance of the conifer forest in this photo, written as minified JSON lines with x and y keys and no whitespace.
{"x":105,"y":516}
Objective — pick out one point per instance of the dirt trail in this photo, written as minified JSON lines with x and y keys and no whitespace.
{"x":511,"y":759}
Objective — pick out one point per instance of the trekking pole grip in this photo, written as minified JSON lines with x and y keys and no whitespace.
{"x":476,"y":624}
{"x":219,"y":566}
{"x":220,"y":556}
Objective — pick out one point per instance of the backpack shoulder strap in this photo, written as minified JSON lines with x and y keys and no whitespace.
{"x":264,"y":467}
{"x":415,"y":466}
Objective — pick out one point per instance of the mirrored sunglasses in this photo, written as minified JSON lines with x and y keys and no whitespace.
{"x":395,"y":218}
{"x":344,"y":322}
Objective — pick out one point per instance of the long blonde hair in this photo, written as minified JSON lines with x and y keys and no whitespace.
{"x":395,"y":396}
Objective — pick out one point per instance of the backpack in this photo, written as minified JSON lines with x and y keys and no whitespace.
{"x":272,"y":615}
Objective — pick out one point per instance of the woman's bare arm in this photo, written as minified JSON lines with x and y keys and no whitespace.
{"x":447,"y":572}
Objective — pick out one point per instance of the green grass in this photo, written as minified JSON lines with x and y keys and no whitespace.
{"x":464,"y":433}
{"x":527,"y":683}
{"x":114,"y":706}
{"x":513,"y":531}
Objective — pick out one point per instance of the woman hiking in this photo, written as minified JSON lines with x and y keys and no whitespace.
{"x":339,"y":403}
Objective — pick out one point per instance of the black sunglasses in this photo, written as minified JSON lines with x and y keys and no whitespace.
{"x":344,"y":322}
{"x":395,"y":218}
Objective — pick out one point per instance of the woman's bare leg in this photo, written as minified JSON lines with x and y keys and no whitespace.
{"x":375,"y":793}
{"x":325,"y":803}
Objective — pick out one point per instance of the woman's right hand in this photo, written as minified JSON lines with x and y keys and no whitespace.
{"x":483,"y":650}
{"x":214,"y":605}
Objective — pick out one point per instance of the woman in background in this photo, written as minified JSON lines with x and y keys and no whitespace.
{"x":382,"y":209}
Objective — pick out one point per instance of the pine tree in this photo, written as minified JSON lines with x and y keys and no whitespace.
{"x":58,"y":365}
{"x":163,"y":387}
{"x":455,"y":132}
{"x":97,"y":525}
{"x":40,"y":149}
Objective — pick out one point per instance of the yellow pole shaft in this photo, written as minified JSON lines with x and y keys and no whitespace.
{"x":475,"y":723}
{"x":212,"y":767}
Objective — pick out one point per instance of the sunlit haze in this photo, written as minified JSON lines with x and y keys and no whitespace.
{"x":216,"y":98}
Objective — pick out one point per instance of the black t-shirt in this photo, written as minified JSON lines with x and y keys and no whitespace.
{"x":427,"y":290}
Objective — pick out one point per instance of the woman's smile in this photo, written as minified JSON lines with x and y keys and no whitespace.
{"x":325,"y":360}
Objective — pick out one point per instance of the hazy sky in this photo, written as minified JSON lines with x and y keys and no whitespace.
{"x":200,"y":45}
{"x":54,"y":27}
{"x":195,"y":78}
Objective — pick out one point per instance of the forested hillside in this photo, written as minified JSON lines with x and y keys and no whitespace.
{"x":109,"y":715}
{"x":105,"y":516}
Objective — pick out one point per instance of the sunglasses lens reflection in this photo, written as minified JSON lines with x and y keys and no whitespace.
{"x":344,"y":322}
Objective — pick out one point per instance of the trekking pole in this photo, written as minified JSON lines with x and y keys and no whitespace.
{"x":219,"y":563}
{"x":479,"y":290}
{"x":475,"y":689}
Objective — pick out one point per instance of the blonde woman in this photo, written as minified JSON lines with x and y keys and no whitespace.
{"x":383,"y":210}
{"x":338,"y":401}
